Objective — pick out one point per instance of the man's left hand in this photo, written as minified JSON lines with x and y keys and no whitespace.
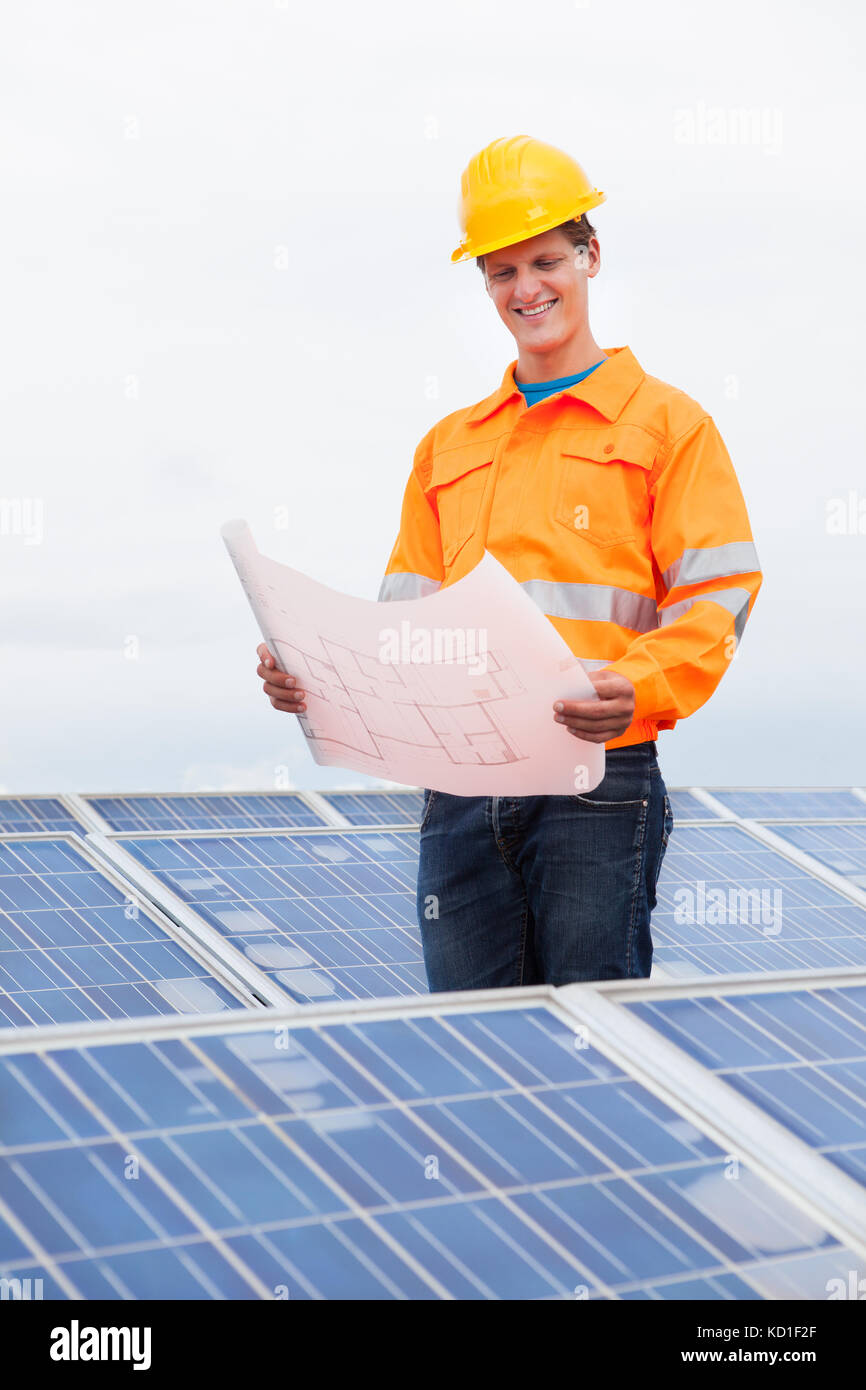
{"x":596,"y":721}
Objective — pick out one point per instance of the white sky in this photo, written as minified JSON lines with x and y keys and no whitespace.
{"x":161,"y":373}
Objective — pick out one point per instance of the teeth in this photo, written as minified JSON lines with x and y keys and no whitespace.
{"x":539,"y":308}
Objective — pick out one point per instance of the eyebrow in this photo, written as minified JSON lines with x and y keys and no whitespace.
{"x":542,"y":256}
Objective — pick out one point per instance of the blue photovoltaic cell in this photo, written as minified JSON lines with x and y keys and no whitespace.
{"x":686,"y":807}
{"x":244,"y":811}
{"x":468,"y":1155}
{"x":800,"y":1055}
{"x":326,"y":916}
{"x":840,"y":847}
{"x":792,"y":803}
{"x":377,"y":808}
{"x":73,"y":947}
{"x":729,"y":903}
{"x":23,"y":815}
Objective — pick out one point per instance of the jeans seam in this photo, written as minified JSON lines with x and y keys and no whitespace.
{"x":426,"y":815}
{"x":522,"y":959}
{"x":638,"y":876}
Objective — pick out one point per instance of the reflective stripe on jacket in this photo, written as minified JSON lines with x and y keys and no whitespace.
{"x":615,"y":504}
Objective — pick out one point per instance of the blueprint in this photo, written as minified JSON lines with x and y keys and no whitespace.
{"x":454,"y":691}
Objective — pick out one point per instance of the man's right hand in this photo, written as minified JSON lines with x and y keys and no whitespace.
{"x":280,"y":689}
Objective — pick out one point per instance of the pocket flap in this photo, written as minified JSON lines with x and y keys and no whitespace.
{"x":454,"y":463}
{"x":625,"y":443}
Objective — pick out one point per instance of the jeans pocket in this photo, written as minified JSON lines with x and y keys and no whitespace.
{"x":608,"y":802}
{"x":626,"y":783}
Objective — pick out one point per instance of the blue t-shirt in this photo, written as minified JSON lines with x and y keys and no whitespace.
{"x":535,"y":391}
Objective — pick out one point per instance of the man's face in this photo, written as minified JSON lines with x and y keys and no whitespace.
{"x":533,"y":273}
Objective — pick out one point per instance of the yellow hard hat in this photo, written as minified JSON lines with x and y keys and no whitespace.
{"x":515,"y":188}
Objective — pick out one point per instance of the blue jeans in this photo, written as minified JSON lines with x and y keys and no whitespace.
{"x":544,"y":889}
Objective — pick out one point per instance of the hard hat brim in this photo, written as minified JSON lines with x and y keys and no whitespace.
{"x":465,"y":252}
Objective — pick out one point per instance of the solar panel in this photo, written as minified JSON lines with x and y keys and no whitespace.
{"x":242,"y":811}
{"x":74,"y":947}
{"x":377,"y":808}
{"x":686,"y":806}
{"x":841,"y":847}
{"x":728,"y":903}
{"x":28,"y":814}
{"x":791,"y":803}
{"x":325,"y":915}
{"x":800,"y":1055}
{"x":465,"y":1154}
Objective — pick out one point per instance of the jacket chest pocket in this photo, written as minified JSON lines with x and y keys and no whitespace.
{"x":457,"y":481}
{"x":601,"y":492}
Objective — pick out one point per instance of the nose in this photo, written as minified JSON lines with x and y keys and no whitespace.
{"x":527,"y":286}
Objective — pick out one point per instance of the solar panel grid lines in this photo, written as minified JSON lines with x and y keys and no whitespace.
{"x":320,"y":912}
{"x":154,"y":1174}
{"x":378,"y":807}
{"x":176,"y":812}
{"x":713,"y":808}
{"x":358,"y":1212}
{"x":840,"y":845}
{"x":643,"y":1213}
{"x":327,"y":813}
{"x":38,"y":815}
{"x":799,"y":1055}
{"x":754,"y":1136}
{"x":787,"y":803}
{"x":338,"y":1012}
{"x":196,"y":934}
{"x":687,"y":805}
{"x":811,"y":863}
{"x":78,"y":942}
{"x":767,"y":982}
{"x":87,"y":814}
{"x":733,"y":895}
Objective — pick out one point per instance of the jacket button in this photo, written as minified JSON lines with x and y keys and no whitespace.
{"x":608,"y":448}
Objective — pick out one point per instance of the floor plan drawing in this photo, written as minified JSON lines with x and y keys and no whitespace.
{"x":453,"y":691}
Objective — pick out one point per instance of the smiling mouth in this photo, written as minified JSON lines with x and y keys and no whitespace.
{"x":533,"y":312}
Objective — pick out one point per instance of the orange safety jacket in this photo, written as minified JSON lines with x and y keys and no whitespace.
{"x":614,"y":503}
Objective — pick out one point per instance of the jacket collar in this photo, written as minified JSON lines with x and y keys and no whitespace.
{"x":606,"y":389}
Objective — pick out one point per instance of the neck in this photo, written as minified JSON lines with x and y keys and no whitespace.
{"x":567,"y":359}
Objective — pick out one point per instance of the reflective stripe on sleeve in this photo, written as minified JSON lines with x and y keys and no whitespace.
{"x":696,"y":565}
{"x":403,"y":586}
{"x":736,"y":601}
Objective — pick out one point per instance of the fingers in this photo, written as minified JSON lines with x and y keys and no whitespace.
{"x":288,"y":708}
{"x":280,"y":693}
{"x":595,"y":721}
{"x":281,"y":690}
{"x":591,"y":712}
{"x":292,"y":701}
{"x":276,"y":676}
{"x":266,"y":657}
{"x":600,"y":735}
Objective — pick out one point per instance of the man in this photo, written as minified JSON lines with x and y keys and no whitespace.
{"x":611,"y":498}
